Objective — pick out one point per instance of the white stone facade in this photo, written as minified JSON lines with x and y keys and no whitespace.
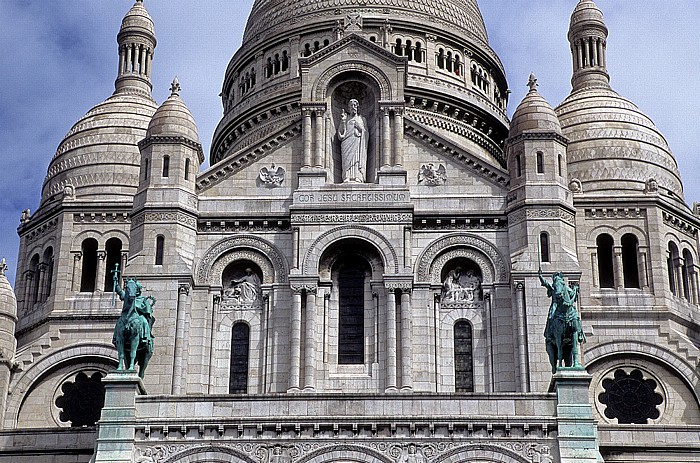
{"x":350,"y":348}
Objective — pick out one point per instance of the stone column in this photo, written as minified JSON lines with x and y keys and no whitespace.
{"x":390,"y":340}
{"x":678,"y":272}
{"x":100,"y":272}
{"x":306,"y":129}
{"x":586,"y":55}
{"x":183,"y":291}
{"x":295,"y":341}
{"x":489,"y":342}
{"x":122,"y":60}
{"x":42,"y":283}
{"x":406,"y":341}
{"x":386,"y":138}
{"x":593,"y":51}
{"x":522,"y":336}
{"x":319,"y":136}
{"x":310,"y":342}
{"x":116,"y":428}
{"x":617,"y":267}
{"x":398,"y":137}
{"x":216,"y":305}
{"x":594,"y":270}
{"x":643,"y":272}
{"x":129,"y":58}
{"x":28,"y":278}
{"x":77,"y":270}
{"x":694,"y":297}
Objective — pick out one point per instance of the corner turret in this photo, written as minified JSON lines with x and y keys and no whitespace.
{"x":8,"y":343}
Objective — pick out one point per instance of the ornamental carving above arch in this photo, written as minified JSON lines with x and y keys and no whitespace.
{"x":481,"y":251}
{"x":321,"y":85}
{"x":247,"y":247}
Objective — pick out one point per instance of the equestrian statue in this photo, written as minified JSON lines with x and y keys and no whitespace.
{"x":133,"y":335}
{"x":563,"y":331}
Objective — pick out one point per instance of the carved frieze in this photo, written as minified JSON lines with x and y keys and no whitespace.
{"x":542,"y":214}
{"x":390,"y":217}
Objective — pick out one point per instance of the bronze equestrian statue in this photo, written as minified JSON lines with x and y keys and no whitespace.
{"x":563,"y":331}
{"x":133,"y":335}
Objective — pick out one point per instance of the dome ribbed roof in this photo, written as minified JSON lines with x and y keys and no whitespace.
{"x":8,"y":304}
{"x":137,"y":20}
{"x":464,"y":15}
{"x":587,"y":13}
{"x":173,"y":118}
{"x":613,"y":145}
{"x":100,"y":157}
{"x":534,"y":114}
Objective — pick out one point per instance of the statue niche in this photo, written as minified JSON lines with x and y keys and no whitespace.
{"x":353,"y":143}
{"x":242,"y":285}
{"x":461,"y":284}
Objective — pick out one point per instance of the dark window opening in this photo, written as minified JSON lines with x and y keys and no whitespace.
{"x":114,"y":255}
{"x":82,"y":400}
{"x":187,"y":169}
{"x":606,"y":273}
{"x":540,"y":162}
{"x":671,"y":267}
{"x":544,"y":247}
{"x":687,"y":271}
{"x":518,"y":166}
{"x":160,"y":245}
{"x":630,"y":398}
{"x":166,"y":166}
{"x":630,"y":260}
{"x":351,"y":329}
{"x":89,"y":273}
{"x":240,"y":346}
{"x":464,"y":362}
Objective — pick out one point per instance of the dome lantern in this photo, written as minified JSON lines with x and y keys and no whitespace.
{"x":137,"y":42}
{"x":588,"y":36}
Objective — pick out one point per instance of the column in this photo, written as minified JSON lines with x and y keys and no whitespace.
{"x":599,"y":50}
{"x":42,"y":283}
{"x":319,"y":132}
{"x":489,"y":343}
{"x":407,"y":247}
{"x":677,"y":271}
{"x":124,"y":260}
{"x":398,"y":137}
{"x":310,"y":342}
{"x":100,"y":272}
{"x":390,"y":340}
{"x":216,"y":304}
{"x":386,"y":138}
{"x":522,"y":336}
{"x":694,"y":285}
{"x":617,"y":267}
{"x":307,"y":137}
{"x":643,"y":270}
{"x":594,"y":269}
{"x":603,"y":61}
{"x":328,"y":151}
{"x":129,"y":58}
{"x":586,"y":54}
{"x":594,"y":52}
{"x":183,"y":291}
{"x":295,"y":341}
{"x":579,"y":53}
{"x":76,"y":270}
{"x":122,"y":59}
{"x":28,"y":277}
{"x":406,"y":341}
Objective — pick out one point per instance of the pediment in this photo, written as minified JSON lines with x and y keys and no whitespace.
{"x":353,"y":55}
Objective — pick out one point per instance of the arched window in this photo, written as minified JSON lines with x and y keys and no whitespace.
{"x":458,"y":65}
{"x":544,"y":247}
{"x":606,"y":274}
{"x":351,"y":324}
{"x":278,"y":64}
{"x":187,"y":169}
{"x":47,"y":262}
{"x":240,"y":347}
{"x":518,"y":166}
{"x":687,"y":270}
{"x":160,"y":247}
{"x":408,"y":51}
{"x":418,"y":54}
{"x":449,"y":61}
{"x":89,"y":274}
{"x":33,"y":279}
{"x":441,"y":59}
{"x":561,"y":165}
{"x":113,"y":247}
{"x":464,"y":360}
{"x":540,"y":162}
{"x":285,"y":60}
{"x":166,"y":166}
{"x":671,"y":261}
{"x":268,"y":68}
{"x":630,"y":260}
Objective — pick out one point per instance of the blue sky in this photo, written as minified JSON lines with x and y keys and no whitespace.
{"x":59,"y":59}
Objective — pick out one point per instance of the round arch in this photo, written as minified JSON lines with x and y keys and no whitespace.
{"x":353,"y":453}
{"x":103,"y":352}
{"x":671,"y":360}
{"x":484,"y":253}
{"x":262,"y":252}
{"x":488,"y":453}
{"x":310,"y":265}
{"x":207,"y":454}
{"x":321,"y":86}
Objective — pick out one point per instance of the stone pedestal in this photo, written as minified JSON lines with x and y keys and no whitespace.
{"x":392,"y":176}
{"x":115,"y":433}
{"x":578,"y":431}
{"x":312,"y":177}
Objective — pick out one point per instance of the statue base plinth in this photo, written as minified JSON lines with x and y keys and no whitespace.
{"x":577,"y":429}
{"x":392,"y":176}
{"x":115,"y":435}
{"x":310,"y":177}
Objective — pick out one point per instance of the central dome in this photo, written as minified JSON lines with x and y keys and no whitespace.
{"x":461,"y":14}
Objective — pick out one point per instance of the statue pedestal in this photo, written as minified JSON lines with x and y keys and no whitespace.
{"x":312,"y":177}
{"x":392,"y":176}
{"x":578,"y":430}
{"x":115,"y":433}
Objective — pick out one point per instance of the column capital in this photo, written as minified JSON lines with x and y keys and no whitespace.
{"x":102,"y":255}
{"x":303,"y":283}
{"x":314,"y":106}
{"x":77,"y":255}
{"x":519,"y":285}
{"x":184,"y":288}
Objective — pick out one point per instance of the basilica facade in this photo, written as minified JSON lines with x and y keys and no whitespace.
{"x":356,"y":278}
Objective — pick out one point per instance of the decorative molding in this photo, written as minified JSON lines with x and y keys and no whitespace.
{"x":476,"y":256}
{"x":41,"y":230}
{"x":424,"y":264}
{"x":170,"y":139}
{"x":380,"y":78}
{"x":101,"y":217}
{"x":257,"y":248}
{"x":553,"y":213}
{"x":681,"y":225}
{"x":471,"y":223}
{"x":615,"y":213}
{"x":221,"y":226}
{"x":544,"y":135}
{"x":165,"y":217}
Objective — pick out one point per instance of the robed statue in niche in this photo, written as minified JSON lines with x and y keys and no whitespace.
{"x":354,"y":139}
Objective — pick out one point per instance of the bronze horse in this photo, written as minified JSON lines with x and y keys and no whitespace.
{"x":133,"y":337}
{"x":563,"y":331}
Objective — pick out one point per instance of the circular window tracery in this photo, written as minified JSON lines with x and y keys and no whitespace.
{"x":630,"y":397}
{"x":82,"y":400}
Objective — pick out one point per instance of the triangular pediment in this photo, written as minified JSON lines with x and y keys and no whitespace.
{"x":349,"y":42}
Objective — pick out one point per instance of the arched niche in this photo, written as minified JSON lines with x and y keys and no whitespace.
{"x":343,"y":88}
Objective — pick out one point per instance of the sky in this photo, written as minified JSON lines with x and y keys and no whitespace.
{"x":59,"y":58}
